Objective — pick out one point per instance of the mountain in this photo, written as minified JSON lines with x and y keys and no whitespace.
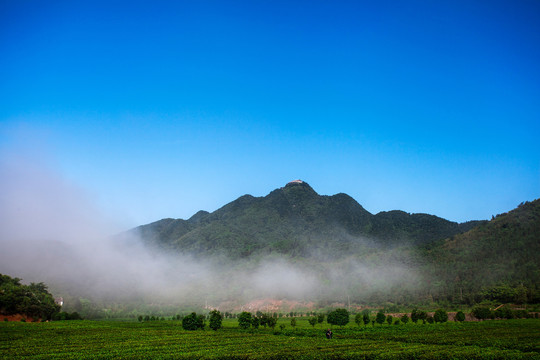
{"x":502,"y":257}
{"x":296,"y":221}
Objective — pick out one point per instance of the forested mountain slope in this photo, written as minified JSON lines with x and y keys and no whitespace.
{"x":501,"y":256}
{"x":296,"y":221}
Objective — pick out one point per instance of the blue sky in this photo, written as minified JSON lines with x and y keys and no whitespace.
{"x":159,"y":109}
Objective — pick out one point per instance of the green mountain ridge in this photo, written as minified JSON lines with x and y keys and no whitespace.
{"x":296,"y":221}
{"x":390,"y":256}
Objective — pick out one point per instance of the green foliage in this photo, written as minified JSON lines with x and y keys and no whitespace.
{"x":215,"y":321}
{"x":320,"y":318}
{"x":509,"y":339}
{"x":60,"y":316}
{"x":366,"y":319}
{"x":440,"y":316}
{"x":338,"y":317}
{"x":244,"y":320}
{"x":359,"y":319}
{"x":405,"y":318}
{"x":30,"y":300}
{"x":418,"y":315}
{"x":460,"y":316}
{"x":293,"y":322}
{"x":193,"y":322}
{"x":312,"y":321}
{"x":380,"y":318}
{"x":463,"y":263}
{"x":481,"y":313}
{"x":389,"y":319}
{"x":284,"y":221}
{"x":255,"y":322}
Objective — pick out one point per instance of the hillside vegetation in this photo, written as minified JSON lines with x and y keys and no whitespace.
{"x":391,"y":256}
{"x":33,"y":301}
{"x":296,"y":221}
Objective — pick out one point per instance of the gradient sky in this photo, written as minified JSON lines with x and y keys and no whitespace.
{"x":159,"y":109}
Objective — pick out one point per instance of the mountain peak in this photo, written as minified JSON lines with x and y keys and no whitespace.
{"x":294,"y":182}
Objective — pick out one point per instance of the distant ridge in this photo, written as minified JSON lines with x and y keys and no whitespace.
{"x":296,"y":221}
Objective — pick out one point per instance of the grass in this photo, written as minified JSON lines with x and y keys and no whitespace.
{"x":511,"y":339}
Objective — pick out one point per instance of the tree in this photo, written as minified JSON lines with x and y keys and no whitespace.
{"x":271,"y":321}
{"x":216,"y":320}
{"x":193,"y":322}
{"x":481,"y":313}
{"x":418,"y":315}
{"x":366,"y":319}
{"x":460,"y":316}
{"x":244,"y":320}
{"x":293,"y":322}
{"x":358,"y":319}
{"x":440,"y":316}
{"x":313,"y":321}
{"x":31,"y":300}
{"x":320,"y":318}
{"x":389,"y":319}
{"x":255,"y":322}
{"x":404,"y":319}
{"x":380,"y":317}
{"x":338,"y":317}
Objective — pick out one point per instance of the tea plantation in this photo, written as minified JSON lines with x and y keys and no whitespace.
{"x":508,"y":339}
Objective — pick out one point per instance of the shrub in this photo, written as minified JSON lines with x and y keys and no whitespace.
{"x":255,"y":322}
{"x":460,"y":316}
{"x":405,"y":319}
{"x":338,"y":317}
{"x":440,"y":316}
{"x":358,"y":319}
{"x":293,"y":322}
{"x":418,"y":315}
{"x":380,"y":317}
{"x":244,"y":320}
{"x":216,"y":320}
{"x":481,"y":313}
{"x":193,"y":322}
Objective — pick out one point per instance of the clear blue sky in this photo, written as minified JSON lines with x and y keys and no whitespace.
{"x":159,"y":109}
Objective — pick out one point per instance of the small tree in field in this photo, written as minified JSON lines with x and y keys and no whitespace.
{"x":255,"y":322}
{"x":244,"y":320}
{"x":338,"y":317}
{"x":358,"y":319}
{"x":380,"y":317}
{"x":440,"y":316}
{"x":481,"y":313}
{"x":366,"y":319}
{"x":215,"y":320}
{"x":405,"y":319}
{"x":460,"y":316}
{"x":389,"y":319}
{"x":271,"y":321}
{"x":313,"y":321}
{"x":293,"y":322}
{"x":320,"y":318}
{"x":193,"y":322}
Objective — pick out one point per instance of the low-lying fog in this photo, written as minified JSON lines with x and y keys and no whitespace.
{"x":50,"y":232}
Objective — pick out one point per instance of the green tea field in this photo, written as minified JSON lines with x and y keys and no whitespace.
{"x":511,"y":339}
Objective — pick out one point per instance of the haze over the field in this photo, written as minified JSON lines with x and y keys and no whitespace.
{"x":117,"y":114}
{"x":51,"y":232}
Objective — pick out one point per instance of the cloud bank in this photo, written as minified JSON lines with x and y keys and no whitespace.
{"x":50,"y":231}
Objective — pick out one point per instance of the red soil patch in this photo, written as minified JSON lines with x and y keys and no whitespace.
{"x":17,"y":317}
